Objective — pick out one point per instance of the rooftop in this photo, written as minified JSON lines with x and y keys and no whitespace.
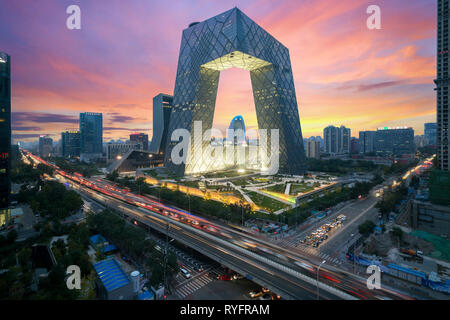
{"x":111,"y":274}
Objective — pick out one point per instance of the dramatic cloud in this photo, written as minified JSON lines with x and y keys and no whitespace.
{"x":127,"y":52}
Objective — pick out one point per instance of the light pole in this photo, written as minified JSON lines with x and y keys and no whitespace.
{"x":318,"y":278}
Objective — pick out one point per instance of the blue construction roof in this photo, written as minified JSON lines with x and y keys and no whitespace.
{"x":403,"y":269}
{"x":147,"y":295}
{"x":97,"y":238}
{"x":109,"y":248}
{"x":111,"y":274}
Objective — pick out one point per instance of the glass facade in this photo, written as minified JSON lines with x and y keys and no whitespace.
{"x":91,"y":135}
{"x":141,"y":138}
{"x":5,"y":129}
{"x":231,"y":39}
{"x":394,"y":141}
{"x":70,"y":141}
{"x":162,"y":107}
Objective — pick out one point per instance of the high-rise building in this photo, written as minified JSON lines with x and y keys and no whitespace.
{"x":231,"y":39}
{"x":337,"y":139}
{"x":394,"y":141}
{"x":430,"y":132}
{"x":45,"y":146}
{"x":236,"y":135}
{"x":367,"y":141}
{"x":141,"y":138}
{"x":345,"y":137}
{"x":162,"y":108}
{"x":91,"y":136}
{"x":5,"y":131}
{"x":70,"y":143}
{"x":354,"y":145}
{"x":312,"y":148}
{"x":330,"y":138}
{"x":442,"y":85}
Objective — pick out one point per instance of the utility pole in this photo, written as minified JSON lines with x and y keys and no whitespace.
{"x":165,"y":257}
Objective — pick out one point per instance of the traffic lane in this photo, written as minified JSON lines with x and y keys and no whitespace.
{"x":275,"y":277}
{"x":132,"y":209}
{"x":341,"y":239}
{"x":121,"y":205}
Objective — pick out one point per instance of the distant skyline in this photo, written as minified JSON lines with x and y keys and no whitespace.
{"x":126,"y":53}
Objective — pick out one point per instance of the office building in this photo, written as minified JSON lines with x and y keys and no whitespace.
{"x":141,"y":138}
{"x":420,"y":141}
{"x":5,"y":132}
{"x":312,"y":147}
{"x":394,"y":141}
{"x":91,"y":136}
{"x":430,"y":132}
{"x":115,"y":151}
{"x":367,"y":141}
{"x":442,"y":85}
{"x":162,"y":108}
{"x":231,"y":39}
{"x":70,"y":143}
{"x":45,"y":146}
{"x":337,"y":140}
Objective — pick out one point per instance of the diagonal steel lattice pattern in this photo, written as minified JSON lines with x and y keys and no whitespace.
{"x":231,"y":39}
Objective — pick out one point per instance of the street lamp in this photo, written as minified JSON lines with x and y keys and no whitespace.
{"x":318,"y":278}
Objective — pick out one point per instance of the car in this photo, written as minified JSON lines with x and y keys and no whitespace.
{"x":266,"y":296}
{"x":213,"y":275}
{"x":255,"y":293}
{"x":265,"y":290}
{"x":186,"y":274}
{"x":238,"y":276}
{"x":225,"y":277}
{"x":199,"y":268}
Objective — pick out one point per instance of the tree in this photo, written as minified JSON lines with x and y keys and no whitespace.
{"x":11,"y":237}
{"x":366,"y":227}
{"x":397,"y":233}
{"x":113,"y":176}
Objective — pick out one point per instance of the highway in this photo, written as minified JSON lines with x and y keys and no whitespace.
{"x":286,"y":273}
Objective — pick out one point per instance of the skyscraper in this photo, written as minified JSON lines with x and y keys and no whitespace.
{"x":231,"y":39}
{"x":45,"y":146}
{"x":70,"y":141}
{"x":5,"y":129}
{"x":162,"y":108}
{"x":91,"y":136}
{"x":337,"y":140}
{"x":141,"y":138}
{"x":237,"y":136}
{"x":430,"y":132}
{"x":442,"y":85}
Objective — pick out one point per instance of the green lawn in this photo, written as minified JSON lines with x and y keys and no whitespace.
{"x":266,"y":203}
{"x":280,"y":188}
{"x":300,"y":187}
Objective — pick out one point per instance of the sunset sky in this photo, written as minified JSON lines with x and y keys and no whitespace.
{"x":127,"y":52}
